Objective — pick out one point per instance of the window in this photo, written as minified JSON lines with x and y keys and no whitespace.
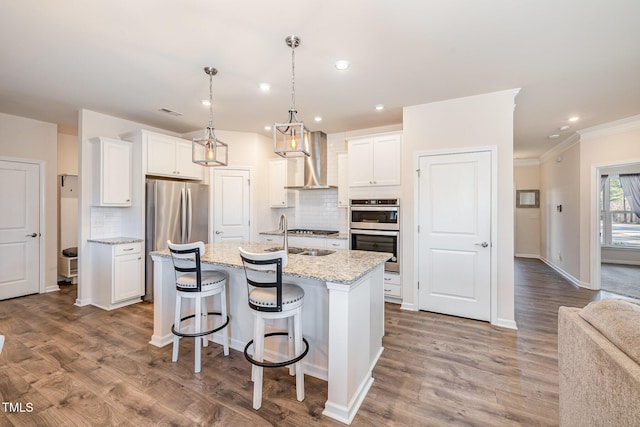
{"x":619,"y":225}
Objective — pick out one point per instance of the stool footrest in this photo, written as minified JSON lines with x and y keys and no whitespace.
{"x":202,"y":333}
{"x":276,"y":364}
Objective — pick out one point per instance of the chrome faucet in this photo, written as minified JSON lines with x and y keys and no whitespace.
{"x":283,"y":227}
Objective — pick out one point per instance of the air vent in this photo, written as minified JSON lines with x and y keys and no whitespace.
{"x":173,"y":113}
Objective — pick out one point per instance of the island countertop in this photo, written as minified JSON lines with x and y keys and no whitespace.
{"x":343,"y":266}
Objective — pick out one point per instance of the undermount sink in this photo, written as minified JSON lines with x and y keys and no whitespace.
{"x":317,"y":252}
{"x":292,"y":250}
{"x":302,"y":251}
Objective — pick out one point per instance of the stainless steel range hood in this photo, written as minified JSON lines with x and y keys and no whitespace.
{"x":315,"y":166}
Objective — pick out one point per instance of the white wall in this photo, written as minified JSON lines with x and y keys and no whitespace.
{"x":605,"y":145}
{"x":527,"y":220}
{"x":23,"y":138}
{"x":560,"y":185}
{"x":67,"y":154}
{"x":477,"y":121}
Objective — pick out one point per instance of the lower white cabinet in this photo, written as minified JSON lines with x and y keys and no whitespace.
{"x":119,"y":275}
{"x":305,"y":242}
{"x":392,"y":286}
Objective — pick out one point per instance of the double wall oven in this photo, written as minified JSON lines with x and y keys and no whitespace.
{"x":375,"y":226}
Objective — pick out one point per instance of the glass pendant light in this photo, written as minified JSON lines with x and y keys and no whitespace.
{"x":209,"y":151}
{"x":291,"y":139}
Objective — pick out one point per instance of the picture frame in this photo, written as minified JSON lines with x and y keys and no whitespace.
{"x":527,"y":198}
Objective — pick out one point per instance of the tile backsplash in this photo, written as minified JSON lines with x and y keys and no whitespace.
{"x":105,"y":222}
{"x":317,"y":209}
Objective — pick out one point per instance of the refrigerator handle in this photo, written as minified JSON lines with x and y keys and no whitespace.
{"x":183,"y":216}
{"x":189,"y":215}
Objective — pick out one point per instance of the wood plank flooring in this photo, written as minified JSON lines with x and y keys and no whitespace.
{"x":85,"y":366}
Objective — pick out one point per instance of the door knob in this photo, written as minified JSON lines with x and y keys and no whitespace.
{"x":483,"y":244}
{"x":31,"y":235}
{"x":219,"y":232}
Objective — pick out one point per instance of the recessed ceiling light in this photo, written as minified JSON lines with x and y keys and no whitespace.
{"x":565,"y":127}
{"x":342,"y":64}
{"x":379,"y":107}
{"x":554,"y":136}
{"x":206,"y":102}
{"x":267,"y":127}
{"x":574,"y":119}
{"x":265,"y":87}
{"x":317,"y":118}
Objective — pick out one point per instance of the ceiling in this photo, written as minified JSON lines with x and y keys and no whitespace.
{"x":130,"y":58}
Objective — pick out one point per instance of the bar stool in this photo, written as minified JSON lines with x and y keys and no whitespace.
{"x":193,"y":283}
{"x":269,"y":298}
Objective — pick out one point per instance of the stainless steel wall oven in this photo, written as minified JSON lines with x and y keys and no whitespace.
{"x":375,"y":226}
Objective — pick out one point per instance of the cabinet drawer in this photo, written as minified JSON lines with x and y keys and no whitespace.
{"x":130,"y":248}
{"x":391,"y":290}
{"x":336,"y":243}
{"x":391,"y":279}
{"x":269,"y":238}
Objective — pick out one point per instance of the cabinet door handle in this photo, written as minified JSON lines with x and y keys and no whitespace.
{"x":128,"y":249}
{"x":31,"y":235}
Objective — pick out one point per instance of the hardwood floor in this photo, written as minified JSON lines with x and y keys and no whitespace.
{"x":85,"y":366}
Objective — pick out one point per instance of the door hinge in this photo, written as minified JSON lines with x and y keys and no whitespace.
{"x":418,"y":228}
{"x":418,"y":284}
{"x":418,"y":170}
{"x":249,"y":182}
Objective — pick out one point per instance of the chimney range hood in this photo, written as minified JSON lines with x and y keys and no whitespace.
{"x":315,"y":166}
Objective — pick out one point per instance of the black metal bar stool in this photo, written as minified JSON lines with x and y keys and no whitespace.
{"x":193,"y":283}
{"x":269,"y":298}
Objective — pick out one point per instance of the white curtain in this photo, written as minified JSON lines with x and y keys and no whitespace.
{"x":631,"y":187}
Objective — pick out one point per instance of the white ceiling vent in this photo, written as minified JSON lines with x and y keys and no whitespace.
{"x":173,"y":113}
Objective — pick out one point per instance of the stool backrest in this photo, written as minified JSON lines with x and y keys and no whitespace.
{"x":186,"y":259}
{"x":264,"y":270}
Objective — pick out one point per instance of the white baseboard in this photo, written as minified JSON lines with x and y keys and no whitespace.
{"x":564,"y":274}
{"x":52,"y":288}
{"x":619,"y":262}
{"x":408,"y":306}
{"x":506,"y":323}
{"x":535,"y":256}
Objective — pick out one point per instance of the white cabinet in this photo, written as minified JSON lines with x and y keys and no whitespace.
{"x":336,"y":243}
{"x":392,"y":286}
{"x":374,"y":160}
{"x":112,"y":166}
{"x":118,"y":278}
{"x":305,"y":242}
{"x":167,"y":155}
{"x":343,"y":180}
{"x":284,"y":173}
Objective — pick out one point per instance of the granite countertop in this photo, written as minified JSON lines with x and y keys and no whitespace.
{"x":342,"y":266}
{"x":343,"y":236}
{"x":116,"y":240}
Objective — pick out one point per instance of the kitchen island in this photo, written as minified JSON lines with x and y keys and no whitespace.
{"x":342,"y":316}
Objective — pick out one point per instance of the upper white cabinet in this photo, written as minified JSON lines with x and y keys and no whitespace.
{"x":167,"y":155}
{"x":374,"y":160}
{"x":284,"y":173}
{"x":112,"y":165}
{"x":343,"y":180}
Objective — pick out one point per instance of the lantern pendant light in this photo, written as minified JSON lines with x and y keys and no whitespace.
{"x":291,"y":139}
{"x":209,"y":151}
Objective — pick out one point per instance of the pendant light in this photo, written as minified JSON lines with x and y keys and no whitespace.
{"x":209,"y":151}
{"x":291,"y":139}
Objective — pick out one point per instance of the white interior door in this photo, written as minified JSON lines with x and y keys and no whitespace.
{"x":455,"y":234}
{"x":231,"y":205}
{"x":19,"y":229}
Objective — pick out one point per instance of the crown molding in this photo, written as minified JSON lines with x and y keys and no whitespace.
{"x":611,"y":128}
{"x":560,"y":148}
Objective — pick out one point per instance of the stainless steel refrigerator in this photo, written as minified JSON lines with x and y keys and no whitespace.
{"x":176,"y":211}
